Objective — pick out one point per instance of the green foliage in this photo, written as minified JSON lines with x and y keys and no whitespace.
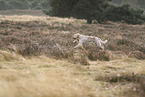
{"x":45,"y":4}
{"x":124,"y":13}
{"x":90,"y":9}
{"x":133,"y":3}
{"x":3,"y":5}
{"x":84,"y":9}
{"x":62,"y":8}
{"x":99,"y":10}
{"x":18,"y":4}
{"x":141,"y":3}
{"x":34,"y":4}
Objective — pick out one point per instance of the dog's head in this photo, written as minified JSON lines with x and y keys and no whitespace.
{"x":76,"y":36}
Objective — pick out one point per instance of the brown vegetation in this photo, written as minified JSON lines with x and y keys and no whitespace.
{"x":54,"y":38}
{"x":25,"y":41}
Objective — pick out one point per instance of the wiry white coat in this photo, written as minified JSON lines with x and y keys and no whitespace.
{"x":83,"y":39}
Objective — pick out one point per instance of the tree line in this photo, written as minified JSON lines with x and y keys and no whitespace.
{"x":44,"y":4}
{"x":100,"y":10}
{"x":133,"y":3}
{"x":23,"y":4}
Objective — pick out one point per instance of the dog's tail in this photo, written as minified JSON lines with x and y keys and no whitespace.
{"x":104,"y":41}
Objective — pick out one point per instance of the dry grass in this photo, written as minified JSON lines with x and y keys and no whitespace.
{"x":33,"y":35}
{"x":37,"y":58}
{"x":45,"y":77}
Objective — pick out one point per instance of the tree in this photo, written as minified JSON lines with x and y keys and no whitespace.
{"x":21,"y":4}
{"x":99,"y":10}
{"x":84,"y":9}
{"x":117,"y":1}
{"x":3,"y":5}
{"x":45,"y":4}
{"x":61,"y":8}
{"x":133,"y":3}
{"x":141,"y":3}
{"x":124,"y":13}
{"x":90,"y":9}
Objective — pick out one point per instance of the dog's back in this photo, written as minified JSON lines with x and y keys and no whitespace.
{"x":83,"y":39}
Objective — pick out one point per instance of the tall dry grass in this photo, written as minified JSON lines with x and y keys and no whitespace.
{"x":41,"y":76}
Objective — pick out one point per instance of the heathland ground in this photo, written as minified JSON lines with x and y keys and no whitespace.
{"x":37,"y":58}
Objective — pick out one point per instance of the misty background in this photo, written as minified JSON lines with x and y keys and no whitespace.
{"x":44,"y":4}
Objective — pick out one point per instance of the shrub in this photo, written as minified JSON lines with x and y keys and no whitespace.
{"x":99,"y":55}
{"x":61,"y":53}
{"x":29,"y":49}
{"x":124,"y":13}
{"x":95,"y":53}
{"x":137,"y":54}
{"x":81,"y":56}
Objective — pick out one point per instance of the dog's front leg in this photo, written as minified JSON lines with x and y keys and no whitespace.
{"x":80,"y":44}
{"x":74,"y":41}
{"x":99,"y":44}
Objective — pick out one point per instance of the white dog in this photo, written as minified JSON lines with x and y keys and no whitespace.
{"x":83,"y":39}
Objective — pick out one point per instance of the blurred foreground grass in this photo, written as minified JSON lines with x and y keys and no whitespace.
{"x":46,"y":77}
